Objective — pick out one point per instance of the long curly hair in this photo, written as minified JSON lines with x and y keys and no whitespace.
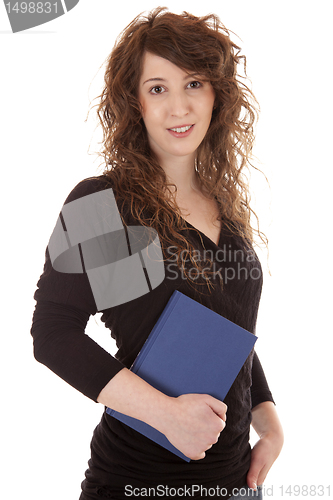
{"x":200,"y":45}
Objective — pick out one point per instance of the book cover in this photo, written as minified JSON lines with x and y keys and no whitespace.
{"x":191,"y":349}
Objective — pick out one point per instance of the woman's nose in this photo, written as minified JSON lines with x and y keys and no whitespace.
{"x":179,"y":105}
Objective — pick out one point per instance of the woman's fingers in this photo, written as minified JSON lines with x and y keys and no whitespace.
{"x":196,"y":424}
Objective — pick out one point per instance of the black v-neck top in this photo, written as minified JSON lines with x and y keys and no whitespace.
{"x":121,"y":456}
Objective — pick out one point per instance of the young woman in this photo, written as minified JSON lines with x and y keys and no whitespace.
{"x":178,"y":131}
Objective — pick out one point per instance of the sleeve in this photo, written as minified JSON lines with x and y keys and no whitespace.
{"x":260,"y":391}
{"x":64,"y":303}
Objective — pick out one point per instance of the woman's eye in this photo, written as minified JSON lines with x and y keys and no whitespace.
{"x":157,"y":90}
{"x":194,"y":85}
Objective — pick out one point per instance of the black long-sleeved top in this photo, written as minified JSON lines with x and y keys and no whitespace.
{"x":64,"y":303}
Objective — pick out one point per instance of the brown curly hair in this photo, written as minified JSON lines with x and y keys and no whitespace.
{"x":200,"y":45}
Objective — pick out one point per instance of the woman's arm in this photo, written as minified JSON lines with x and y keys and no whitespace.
{"x":260,"y":391}
{"x":266,"y":423}
{"x":192,"y":422}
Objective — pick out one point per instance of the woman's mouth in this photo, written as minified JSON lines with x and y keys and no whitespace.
{"x":182,"y":131}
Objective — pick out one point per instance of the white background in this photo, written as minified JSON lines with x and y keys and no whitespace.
{"x":49,"y":76}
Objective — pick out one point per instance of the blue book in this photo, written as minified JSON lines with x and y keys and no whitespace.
{"x":191,"y":349}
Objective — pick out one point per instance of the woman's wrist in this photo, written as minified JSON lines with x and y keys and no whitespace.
{"x":129,"y":394}
{"x":266,"y":423}
{"x":275,"y":438}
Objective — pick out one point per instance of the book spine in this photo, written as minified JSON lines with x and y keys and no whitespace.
{"x":155,"y":332}
{"x":151,"y":339}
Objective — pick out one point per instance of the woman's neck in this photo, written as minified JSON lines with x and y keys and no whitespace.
{"x":182,"y":174}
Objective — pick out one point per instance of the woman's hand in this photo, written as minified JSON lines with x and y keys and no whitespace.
{"x":191,"y":422}
{"x":194,"y":423}
{"x":264,"y":454}
{"x":267,"y":449}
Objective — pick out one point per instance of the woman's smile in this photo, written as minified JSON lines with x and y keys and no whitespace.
{"x":182,"y":131}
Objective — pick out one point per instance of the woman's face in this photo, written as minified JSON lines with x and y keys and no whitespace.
{"x":176,"y":108}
